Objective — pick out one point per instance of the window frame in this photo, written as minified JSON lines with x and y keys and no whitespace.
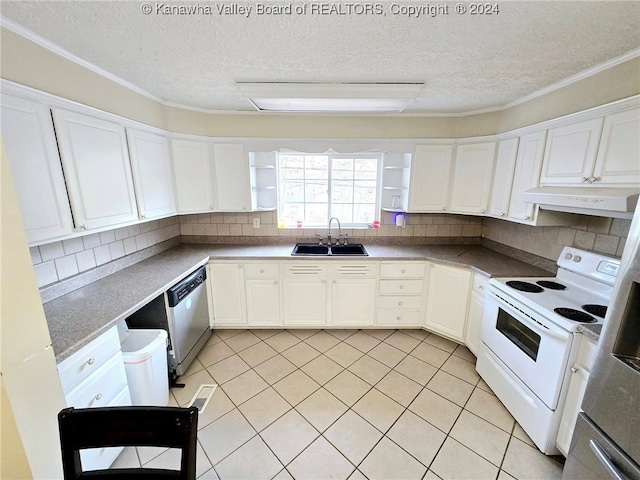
{"x":377,"y":154}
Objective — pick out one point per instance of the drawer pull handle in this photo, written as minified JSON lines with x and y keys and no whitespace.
{"x":98,"y":396}
{"x":91,"y":361}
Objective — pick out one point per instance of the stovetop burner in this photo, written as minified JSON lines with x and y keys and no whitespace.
{"x":525,"y":286}
{"x":575,"y":315}
{"x":551,"y":285}
{"x":597,"y":310}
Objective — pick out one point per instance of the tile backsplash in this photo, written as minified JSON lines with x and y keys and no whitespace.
{"x":603,"y":235}
{"x":63,"y":259}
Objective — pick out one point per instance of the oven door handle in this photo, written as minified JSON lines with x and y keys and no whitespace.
{"x":514,"y":385}
{"x":524,"y":318}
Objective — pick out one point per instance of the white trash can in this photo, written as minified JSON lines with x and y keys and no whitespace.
{"x":145,"y":361}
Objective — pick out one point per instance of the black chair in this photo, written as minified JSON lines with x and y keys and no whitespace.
{"x":171,"y":427}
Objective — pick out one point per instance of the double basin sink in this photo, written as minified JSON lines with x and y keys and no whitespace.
{"x":313,"y":249}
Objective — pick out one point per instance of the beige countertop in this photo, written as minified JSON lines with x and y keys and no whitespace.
{"x":78,"y":317}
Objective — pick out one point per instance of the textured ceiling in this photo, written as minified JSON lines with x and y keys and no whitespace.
{"x":467,"y":62}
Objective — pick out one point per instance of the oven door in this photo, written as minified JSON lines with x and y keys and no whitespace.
{"x":535,"y":350}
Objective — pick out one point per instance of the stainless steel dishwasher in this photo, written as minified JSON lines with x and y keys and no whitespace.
{"x":188,"y":317}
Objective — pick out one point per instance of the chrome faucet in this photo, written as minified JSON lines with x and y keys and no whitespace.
{"x":329,"y":233}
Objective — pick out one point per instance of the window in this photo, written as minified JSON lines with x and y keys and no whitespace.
{"x":316,"y":187}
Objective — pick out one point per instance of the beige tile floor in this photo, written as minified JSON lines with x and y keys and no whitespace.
{"x":357,"y":404}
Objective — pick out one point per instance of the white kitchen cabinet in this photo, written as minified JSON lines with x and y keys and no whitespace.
{"x":618,"y":160}
{"x":264,"y":181}
{"x":232,"y":179}
{"x":262,"y":287}
{"x":570,"y":153}
{"x":353,"y":293}
{"x":226,"y":284}
{"x":193,"y":173}
{"x":97,"y":170}
{"x":430,"y":178}
{"x":448,"y":300}
{"x":92,"y":377}
{"x":472,"y":177}
{"x":396,"y":170}
{"x":577,"y":386}
{"x":474,"y":316}
{"x":152,"y":173}
{"x":503,"y":177}
{"x":30,"y":144}
{"x":305,"y":294}
{"x":526,"y":176}
{"x":402,"y":294}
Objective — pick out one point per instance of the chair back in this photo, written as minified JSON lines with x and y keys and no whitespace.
{"x":139,"y":426}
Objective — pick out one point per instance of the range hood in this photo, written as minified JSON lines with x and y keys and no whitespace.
{"x":600,"y":201}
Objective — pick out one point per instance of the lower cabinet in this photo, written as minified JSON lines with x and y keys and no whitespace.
{"x":448,"y":300}
{"x":94,"y":376}
{"x":226,"y":283}
{"x":577,"y":386}
{"x":305,"y":294}
{"x":353,"y":293}
{"x":402,"y":294}
{"x":474,"y":317}
{"x":262,"y":288}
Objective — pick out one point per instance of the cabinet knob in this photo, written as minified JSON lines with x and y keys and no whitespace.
{"x":432,"y":265}
{"x":91,"y":361}
{"x":239,"y":265}
{"x":275,"y":282}
{"x":594,"y":179}
{"x":261,"y":271}
{"x":324,"y":281}
{"x":400,"y":304}
{"x":584,"y":179}
{"x":83,"y":227}
{"x":481,"y":287}
{"x":244,"y":207}
{"x":502,"y":214}
{"x":444,"y":208}
{"x":210,"y":207}
{"x":574,"y":370}
{"x":401,"y":287}
{"x":483,"y":211}
{"x":398,"y":318}
{"x":402,"y":271}
{"x":334,"y":281}
{"x":98,"y":396}
{"x":143,"y":217}
{"x":527,"y":217}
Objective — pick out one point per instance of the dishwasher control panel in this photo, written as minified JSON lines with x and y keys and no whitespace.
{"x":180,"y":290}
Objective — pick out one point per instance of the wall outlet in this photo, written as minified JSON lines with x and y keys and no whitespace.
{"x":256,"y":223}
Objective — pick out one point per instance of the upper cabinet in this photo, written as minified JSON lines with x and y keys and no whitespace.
{"x":430,"y":175}
{"x":232,"y":180}
{"x":618,"y":160}
{"x":395,"y":181}
{"x":526,"y":175}
{"x":97,"y":169}
{"x":30,"y":144}
{"x":264,"y":179}
{"x":472,"y":178}
{"x":152,"y":173}
{"x":503,"y":177}
{"x":192,"y":166}
{"x":570,"y":153}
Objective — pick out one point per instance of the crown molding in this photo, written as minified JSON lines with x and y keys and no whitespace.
{"x":29,"y":35}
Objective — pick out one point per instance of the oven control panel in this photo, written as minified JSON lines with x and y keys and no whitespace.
{"x":589,"y":264}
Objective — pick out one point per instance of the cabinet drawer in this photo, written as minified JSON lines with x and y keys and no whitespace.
{"x":355,"y":270}
{"x":402,"y":269}
{"x":88,"y":359}
{"x":401,"y":287}
{"x":305,"y":269}
{"x":587,"y":353}
{"x":400,"y":302}
{"x":261,"y":270}
{"x":480,"y":283}
{"x":393,"y":317}
{"x":101,"y":388}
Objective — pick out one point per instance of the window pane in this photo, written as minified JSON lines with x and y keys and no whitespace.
{"x":366,"y":168}
{"x":292,"y":212}
{"x":342,"y":192}
{"x":316,"y":214}
{"x":292,"y":173}
{"x":291,"y":161}
{"x":364,"y":213}
{"x":342,"y":168}
{"x":292,"y":192}
{"x":364,"y":192}
{"x":343,"y":212}
{"x":316,"y":192}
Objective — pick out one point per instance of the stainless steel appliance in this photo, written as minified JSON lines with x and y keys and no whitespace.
{"x":183,"y":311}
{"x":606,"y":441}
{"x":528,"y":343}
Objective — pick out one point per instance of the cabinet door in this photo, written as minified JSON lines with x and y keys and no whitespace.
{"x":527,"y":175}
{"x":472,"y":178}
{"x":233,"y":186}
{"x":97,"y":169}
{"x":192,"y":173}
{"x":263,"y":302}
{"x":474,"y":323}
{"x":618,"y":160}
{"x":152,"y":173}
{"x":30,"y":144}
{"x":570,"y":153}
{"x":226,"y":281}
{"x":503,"y":177}
{"x":429,"y":179}
{"x":447,"y":300}
{"x":305,"y":301}
{"x":353,"y":301}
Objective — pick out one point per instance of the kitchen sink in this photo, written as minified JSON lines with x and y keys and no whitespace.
{"x":356,"y":249}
